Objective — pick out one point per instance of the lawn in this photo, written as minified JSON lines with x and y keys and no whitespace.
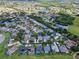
{"x":74,"y":29}
{"x":76,"y":21}
{"x":59,"y":56}
{"x":2,"y":49}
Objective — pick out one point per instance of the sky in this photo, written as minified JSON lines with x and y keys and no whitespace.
{"x":66,"y":1}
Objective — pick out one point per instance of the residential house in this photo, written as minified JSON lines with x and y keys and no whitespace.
{"x":47,"y":48}
{"x":12,"y":50}
{"x":70,"y":43}
{"x":63,"y":49}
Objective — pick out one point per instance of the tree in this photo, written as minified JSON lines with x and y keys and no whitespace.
{"x":2,"y":25}
{"x":75,"y":48}
{"x":35,"y":46}
{"x":20,"y":35}
{"x":64,"y":19}
{"x":43,"y":33}
{"x":35,"y":35}
{"x":22,"y":13}
{"x":43,"y":45}
{"x":31,"y":41}
{"x":50,"y":43}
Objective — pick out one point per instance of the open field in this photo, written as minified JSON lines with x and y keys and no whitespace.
{"x":46,"y":4}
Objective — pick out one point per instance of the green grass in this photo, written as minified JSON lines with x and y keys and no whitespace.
{"x":76,"y":21}
{"x":74,"y":29}
{"x":58,"y":56}
{"x":2,"y":49}
{"x":56,"y":4}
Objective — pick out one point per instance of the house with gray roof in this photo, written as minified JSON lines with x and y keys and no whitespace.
{"x":11,"y":50}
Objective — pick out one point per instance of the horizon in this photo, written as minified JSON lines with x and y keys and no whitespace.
{"x":61,"y":1}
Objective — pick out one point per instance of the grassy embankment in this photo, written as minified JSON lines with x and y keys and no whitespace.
{"x":74,"y":29}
